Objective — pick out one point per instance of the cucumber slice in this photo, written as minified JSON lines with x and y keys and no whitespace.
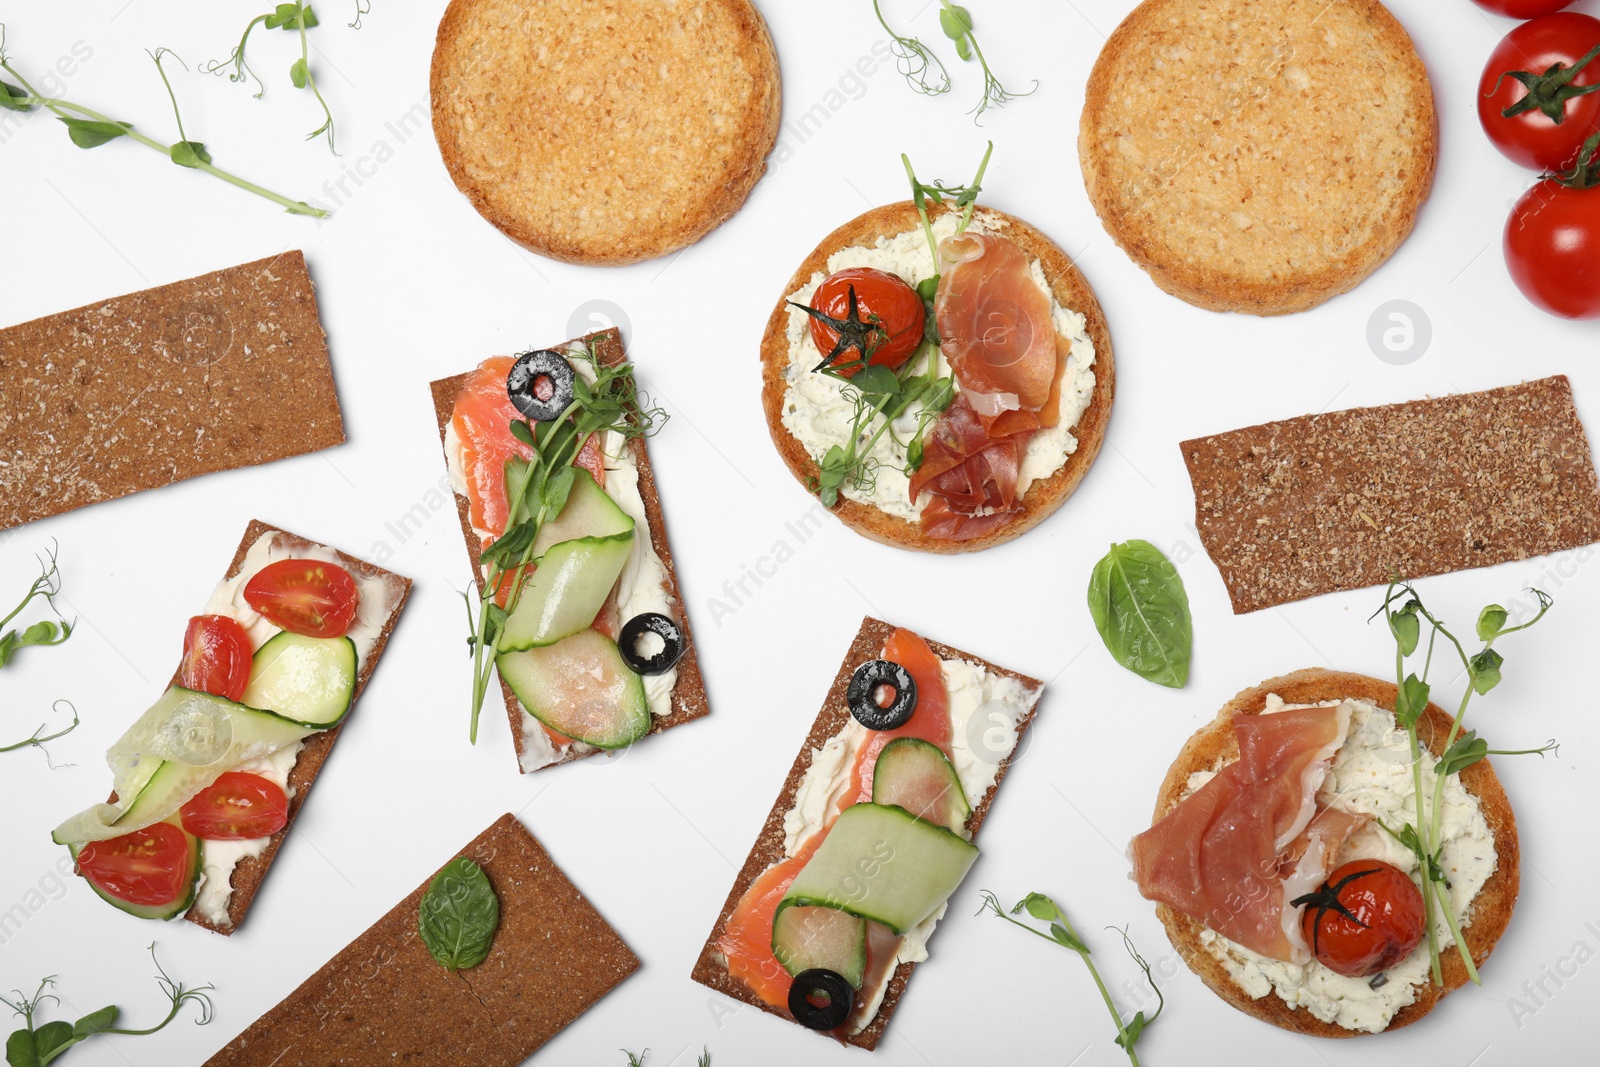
{"x":566,"y":592}
{"x":916,"y":775}
{"x":589,"y":512}
{"x":884,"y":864}
{"x":158,"y":911}
{"x":580,"y":688}
{"x":307,"y":680}
{"x":804,"y":937}
{"x":179,"y":747}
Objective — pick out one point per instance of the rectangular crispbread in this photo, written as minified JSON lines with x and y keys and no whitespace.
{"x":226,"y":370}
{"x":383,"y":999}
{"x":710,"y":968}
{"x":1350,"y":499}
{"x":689,"y":693}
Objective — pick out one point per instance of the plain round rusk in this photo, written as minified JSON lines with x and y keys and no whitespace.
{"x":607,"y":131}
{"x":1043,"y":496}
{"x":1215,"y":744}
{"x":1258,"y":155}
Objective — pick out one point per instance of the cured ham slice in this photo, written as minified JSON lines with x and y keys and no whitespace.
{"x":1218,"y":856}
{"x":968,"y":468}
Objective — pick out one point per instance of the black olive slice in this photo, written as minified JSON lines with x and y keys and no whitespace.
{"x":523,"y":384}
{"x":865,"y":684}
{"x":820,"y":999}
{"x":650,"y":623}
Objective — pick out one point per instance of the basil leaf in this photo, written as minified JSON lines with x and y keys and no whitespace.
{"x":86,"y":133}
{"x":1142,"y":612}
{"x":95,"y":1022}
{"x":459,"y":915}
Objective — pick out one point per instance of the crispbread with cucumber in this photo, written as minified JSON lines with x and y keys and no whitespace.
{"x":578,"y":608}
{"x":208,"y":781}
{"x":870,"y":835}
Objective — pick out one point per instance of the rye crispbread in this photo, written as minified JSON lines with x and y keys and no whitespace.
{"x":710,"y":968}
{"x":1215,"y":745}
{"x":605,"y":132}
{"x":226,"y":370}
{"x":1259,"y":156}
{"x":689,"y":699}
{"x":384,"y":999}
{"x":1349,"y":499}
{"x":1070,"y":289}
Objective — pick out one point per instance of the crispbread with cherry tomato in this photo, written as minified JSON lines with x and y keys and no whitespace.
{"x":1214,"y":746}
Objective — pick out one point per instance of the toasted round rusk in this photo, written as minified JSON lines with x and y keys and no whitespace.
{"x":1071,"y":291}
{"x":607,"y":131}
{"x":1258,"y":155}
{"x":1215,"y":744}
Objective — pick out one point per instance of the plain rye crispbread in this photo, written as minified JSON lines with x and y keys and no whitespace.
{"x":1216,"y":744}
{"x":609,"y":131}
{"x":383,"y":999}
{"x":711,"y":968}
{"x":226,"y":370}
{"x":1258,"y":155}
{"x":1350,"y":499}
{"x":1070,"y":289}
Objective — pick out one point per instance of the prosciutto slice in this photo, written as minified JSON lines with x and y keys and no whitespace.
{"x":1220,"y":855}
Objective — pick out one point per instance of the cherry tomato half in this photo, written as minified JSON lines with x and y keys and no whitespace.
{"x":237,"y":807}
{"x":1522,"y":9}
{"x":148,"y":867}
{"x":883,"y":300}
{"x":216,"y":657}
{"x":1366,"y":918}
{"x":1552,"y":246}
{"x":1531,"y":137}
{"x":305,"y":596}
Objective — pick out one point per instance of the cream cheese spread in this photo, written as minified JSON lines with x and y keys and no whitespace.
{"x":1372,"y":774}
{"x":817,"y":412}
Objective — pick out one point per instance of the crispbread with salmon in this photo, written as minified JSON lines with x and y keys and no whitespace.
{"x":1069,"y":288}
{"x":607,"y":132}
{"x":1215,"y":745}
{"x":710,"y":968}
{"x":689,"y":699}
{"x":1259,"y":156}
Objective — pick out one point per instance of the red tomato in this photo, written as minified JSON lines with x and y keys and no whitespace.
{"x":1531,"y":137}
{"x":1366,"y":918}
{"x":1522,"y":9}
{"x":1552,"y":247}
{"x":237,"y":807}
{"x":216,"y":657}
{"x":148,"y":867}
{"x":883,"y":301}
{"x":305,"y":596}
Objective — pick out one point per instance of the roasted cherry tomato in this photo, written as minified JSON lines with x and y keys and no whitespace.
{"x":1366,"y":918}
{"x":216,"y":656}
{"x":305,"y":596}
{"x":1547,"y":72}
{"x":237,"y":807}
{"x":148,"y":867}
{"x":891,"y":311}
{"x":1522,"y":9}
{"x":1552,"y":245}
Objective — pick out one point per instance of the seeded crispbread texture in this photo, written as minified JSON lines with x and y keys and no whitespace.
{"x":1258,"y":155}
{"x":383,"y":999}
{"x":1350,"y":499}
{"x":711,"y":968}
{"x":1069,"y":288}
{"x":608,"y":131}
{"x":689,"y":700}
{"x":226,"y":370}
{"x":250,"y":871}
{"x":1216,"y":744}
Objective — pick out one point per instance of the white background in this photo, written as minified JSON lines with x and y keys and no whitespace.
{"x":414,"y":286}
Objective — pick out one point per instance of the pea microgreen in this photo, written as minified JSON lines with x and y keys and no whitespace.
{"x":296,"y":18}
{"x":605,"y":400}
{"x":704,"y":1059}
{"x":45,"y":632}
{"x":1061,"y":932}
{"x":39,"y":738}
{"x":90,"y":129}
{"x":1406,"y":615}
{"x":921,"y":69}
{"x":44,"y":1043}
{"x":925,"y":72}
{"x":956,"y":21}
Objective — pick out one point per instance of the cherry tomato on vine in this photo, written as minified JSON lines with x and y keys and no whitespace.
{"x":891,"y":309}
{"x":1552,"y":246}
{"x":1523,"y":9}
{"x":1546,"y":74}
{"x":1366,"y":917}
